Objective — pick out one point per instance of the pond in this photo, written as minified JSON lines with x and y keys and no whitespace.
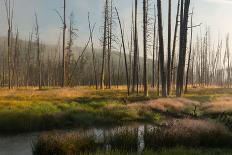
{"x":22,"y":144}
{"x":17,"y":145}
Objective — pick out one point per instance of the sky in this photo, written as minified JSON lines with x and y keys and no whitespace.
{"x":215,"y":14}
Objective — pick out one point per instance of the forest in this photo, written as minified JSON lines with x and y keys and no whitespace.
{"x":155,"y":83}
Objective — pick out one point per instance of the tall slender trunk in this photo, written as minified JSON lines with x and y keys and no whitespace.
{"x":104,"y":45}
{"x":39,"y":64}
{"x":154,"y":48}
{"x":93,"y":55}
{"x":161,"y":49}
{"x":183,"y":44}
{"x":135,"y":66}
{"x":64,"y":44}
{"x":9,"y":15}
{"x":125,"y":56}
{"x":190,"y":54}
{"x":169,"y":47}
{"x":174,"y":44}
{"x":145,"y":9}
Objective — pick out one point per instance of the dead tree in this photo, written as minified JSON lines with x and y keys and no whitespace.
{"x":63,"y":20}
{"x":184,"y":15}
{"x":154,"y":50}
{"x":110,"y":24}
{"x":9,"y":15}
{"x":38,"y":52}
{"x":228,"y":61}
{"x":104,"y":45}
{"x":136,"y":53}
{"x":15,"y":64}
{"x":124,"y":49}
{"x":119,"y":65}
{"x":3,"y":64}
{"x":169,"y":47}
{"x":190,"y":53}
{"x":145,"y":21}
{"x":161,"y":49}
{"x":93,"y":54}
{"x":28,"y":59}
{"x":72,"y":36}
{"x":64,"y":33}
{"x":174,"y":43}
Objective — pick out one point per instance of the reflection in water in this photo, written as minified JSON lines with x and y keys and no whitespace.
{"x":17,"y":145}
{"x":21,"y":144}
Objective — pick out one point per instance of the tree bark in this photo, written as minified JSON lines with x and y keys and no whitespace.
{"x":161,"y":49}
{"x":145,"y":12}
{"x":125,"y":56}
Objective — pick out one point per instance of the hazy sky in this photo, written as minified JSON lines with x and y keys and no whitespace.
{"x":214,"y":13}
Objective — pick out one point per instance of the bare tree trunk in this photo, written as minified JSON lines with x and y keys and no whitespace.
{"x":93,"y":54}
{"x":38,"y":52}
{"x":110,"y":16}
{"x":154,"y":48}
{"x":125,"y":56}
{"x":104,"y":46}
{"x":174,"y":42}
{"x":3,"y":65}
{"x":183,"y":43}
{"x":119,"y":66}
{"x":228,"y":61}
{"x":169,"y":47}
{"x":145,"y":12}
{"x":135,"y":67}
{"x":9,"y":15}
{"x":64,"y":41}
{"x":161,"y":49}
{"x":190,"y":54}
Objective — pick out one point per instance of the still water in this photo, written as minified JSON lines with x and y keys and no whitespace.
{"x":22,"y":144}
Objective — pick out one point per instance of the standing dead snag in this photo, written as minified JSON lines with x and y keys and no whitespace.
{"x":184,"y":15}
{"x":161,"y":49}
{"x":228,"y":61}
{"x":3,"y":65}
{"x":104,"y":45}
{"x":124,"y":49}
{"x":72,"y":36}
{"x":169,"y":47}
{"x":28,"y":59}
{"x":154,"y":50}
{"x":190,"y":53}
{"x":145,"y":12}
{"x":9,"y":15}
{"x":174,"y":43}
{"x":15,"y":64}
{"x":63,"y":20}
{"x":64,"y":33}
{"x":93,"y":54}
{"x":38,"y":52}
{"x":136,"y":52}
{"x":110,"y":25}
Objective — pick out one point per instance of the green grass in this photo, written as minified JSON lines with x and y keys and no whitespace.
{"x":204,"y":95}
{"x":27,"y":110}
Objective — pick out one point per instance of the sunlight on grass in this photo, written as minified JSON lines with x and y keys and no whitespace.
{"x":30,"y":109}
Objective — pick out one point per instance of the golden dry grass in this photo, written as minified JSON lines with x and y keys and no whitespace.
{"x":164,"y":104}
{"x":219,"y":105}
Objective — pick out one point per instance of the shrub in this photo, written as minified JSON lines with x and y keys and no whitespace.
{"x":124,"y":139}
{"x":189,"y":133}
{"x":63,"y":144}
